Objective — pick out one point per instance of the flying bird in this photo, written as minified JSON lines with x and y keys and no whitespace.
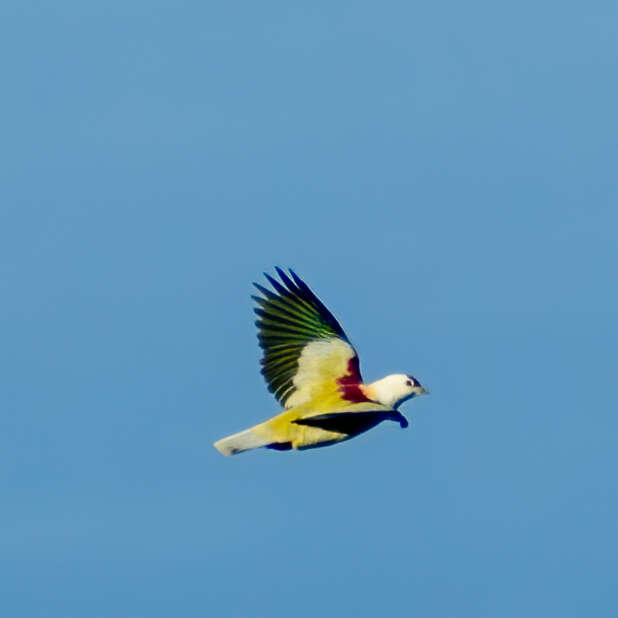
{"x":313,"y":371}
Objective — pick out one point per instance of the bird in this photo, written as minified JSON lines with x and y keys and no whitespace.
{"x":313,"y":371}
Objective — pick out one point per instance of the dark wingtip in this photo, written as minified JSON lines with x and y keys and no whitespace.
{"x":267,"y":293}
{"x":286,"y":280}
{"x":297,"y":280}
{"x":276,"y":285}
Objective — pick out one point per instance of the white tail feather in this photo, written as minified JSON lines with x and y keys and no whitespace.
{"x":240,"y":442}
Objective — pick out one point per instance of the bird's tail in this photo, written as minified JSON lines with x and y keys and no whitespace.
{"x":240,"y":442}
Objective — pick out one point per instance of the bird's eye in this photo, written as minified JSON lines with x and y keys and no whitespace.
{"x":409,"y":383}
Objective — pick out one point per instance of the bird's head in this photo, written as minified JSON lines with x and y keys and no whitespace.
{"x":393,"y":390}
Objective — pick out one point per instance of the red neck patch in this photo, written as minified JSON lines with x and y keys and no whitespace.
{"x":350,"y":383}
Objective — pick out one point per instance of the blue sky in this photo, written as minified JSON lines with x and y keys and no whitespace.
{"x":442,"y":174}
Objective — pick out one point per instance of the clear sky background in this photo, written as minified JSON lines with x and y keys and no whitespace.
{"x":443,"y":174}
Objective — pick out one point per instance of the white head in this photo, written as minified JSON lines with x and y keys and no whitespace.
{"x":393,"y":390}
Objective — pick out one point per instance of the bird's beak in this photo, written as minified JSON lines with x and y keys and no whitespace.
{"x":424,"y":391}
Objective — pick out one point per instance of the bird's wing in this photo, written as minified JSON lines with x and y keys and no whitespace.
{"x":306,"y":353}
{"x":352,"y":423}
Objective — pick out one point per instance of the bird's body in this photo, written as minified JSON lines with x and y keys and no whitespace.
{"x":313,"y":370}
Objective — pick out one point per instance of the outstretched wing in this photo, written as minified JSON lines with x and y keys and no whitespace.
{"x":306,"y":352}
{"x":352,"y":423}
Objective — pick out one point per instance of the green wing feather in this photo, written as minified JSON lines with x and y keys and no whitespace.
{"x":288,"y":319}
